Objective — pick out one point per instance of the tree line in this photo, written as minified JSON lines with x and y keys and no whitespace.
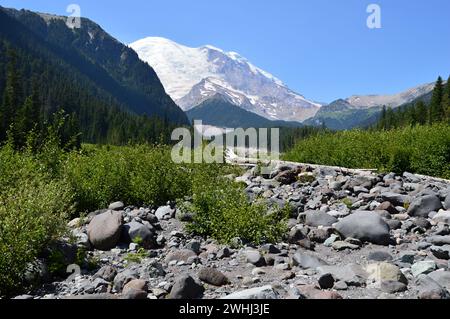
{"x":37,"y":100}
{"x":420,"y":112}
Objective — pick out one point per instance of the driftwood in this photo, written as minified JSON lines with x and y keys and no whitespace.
{"x":232,"y":158}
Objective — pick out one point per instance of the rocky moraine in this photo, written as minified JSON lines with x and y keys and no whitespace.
{"x":351,"y":235}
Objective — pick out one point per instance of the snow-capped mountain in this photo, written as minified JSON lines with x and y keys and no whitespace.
{"x":194,"y":75}
{"x":394,"y":100}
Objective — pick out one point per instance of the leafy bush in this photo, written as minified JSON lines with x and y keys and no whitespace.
{"x":32,"y":214}
{"x":137,"y":175}
{"x":420,"y":149}
{"x":222,"y":210}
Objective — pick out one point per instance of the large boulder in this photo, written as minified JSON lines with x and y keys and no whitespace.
{"x":422,"y":206}
{"x":185,"y":287}
{"x":318,"y":218}
{"x":165,"y":212}
{"x":430,"y":289}
{"x":441,"y":277}
{"x":396,"y":199}
{"x":124,"y":277}
{"x":137,"y":232}
{"x":104,"y":230}
{"x":365,"y":226}
{"x":447,"y":201}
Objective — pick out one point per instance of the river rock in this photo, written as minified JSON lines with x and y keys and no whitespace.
{"x":318,"y":218}
{"x":185,"y":287}
{"x":365,"y":226}
{"x":104,"y":230}
{"x":424,"y":205}
{"x":135,"y":231}
{"x":213,"y":276}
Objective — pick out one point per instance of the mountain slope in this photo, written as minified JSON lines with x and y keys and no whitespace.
{"x":112,"y":66}
{"x":394,"y":100}
{"x":218,"y":111}
{"x":65,"y":78}
{"x":193,"y":75}
{"x":362,"y":111}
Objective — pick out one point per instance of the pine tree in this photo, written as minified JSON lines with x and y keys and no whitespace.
{"x":382,"y":121}
{"x":421,"y":114}
{"x":445,"y":103}
{"x":436,"y":110}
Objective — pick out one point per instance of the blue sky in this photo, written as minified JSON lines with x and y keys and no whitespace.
{"x":319,"y":48}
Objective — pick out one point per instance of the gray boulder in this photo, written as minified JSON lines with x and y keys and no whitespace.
{"x":351,"y":274}
{"x":135,"y":231}
{"x":186,"y":287}
{"x":104,"y":230}
{"x":307,"y":261}
{"x":396,"y":199}
{"x":107,"y":273}
{"x":213,"y":277}
{"x":442,"y":217}
{"x":424,"y":205}
{"x":165,"y":212}
{"x":441,"y":277}
{"x":254,"y":257}
{"x":121,"y":279}
{"x":318,"y":218}
{"x":430,"y":289}
{"x":116,"y":206}
{"x":447,"y":201}
{"x":365,"y":226}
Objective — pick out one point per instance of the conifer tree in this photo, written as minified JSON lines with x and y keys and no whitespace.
{"x":445,"y":103}
{"x":436,"y":111}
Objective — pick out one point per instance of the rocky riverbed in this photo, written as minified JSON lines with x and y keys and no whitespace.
{"x":351,"y":235}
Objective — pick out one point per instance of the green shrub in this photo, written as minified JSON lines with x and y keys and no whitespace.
{"x":221,"y":210}
{"x":400,"y":161}
{"x":138,"y":175}
{"x":420,"y":149}
{"x":33,"y":209}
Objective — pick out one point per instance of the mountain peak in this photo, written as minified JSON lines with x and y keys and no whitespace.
{"x":193,"y":75}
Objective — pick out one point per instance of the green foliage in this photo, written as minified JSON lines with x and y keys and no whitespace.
{"x":347,"y":202}
{"x":33,"y":208}
{"x":138,"y":175}
{"x":431,"y":108}
{"x":137,"y":256}
{"x":420,"y":149}
{"x":222,"y":211}
{"x":400,"y":161}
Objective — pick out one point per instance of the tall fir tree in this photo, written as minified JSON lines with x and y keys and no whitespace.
{"x":421,"y":114}
{"x":436,"y":110}
{"x":445,"y":104}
